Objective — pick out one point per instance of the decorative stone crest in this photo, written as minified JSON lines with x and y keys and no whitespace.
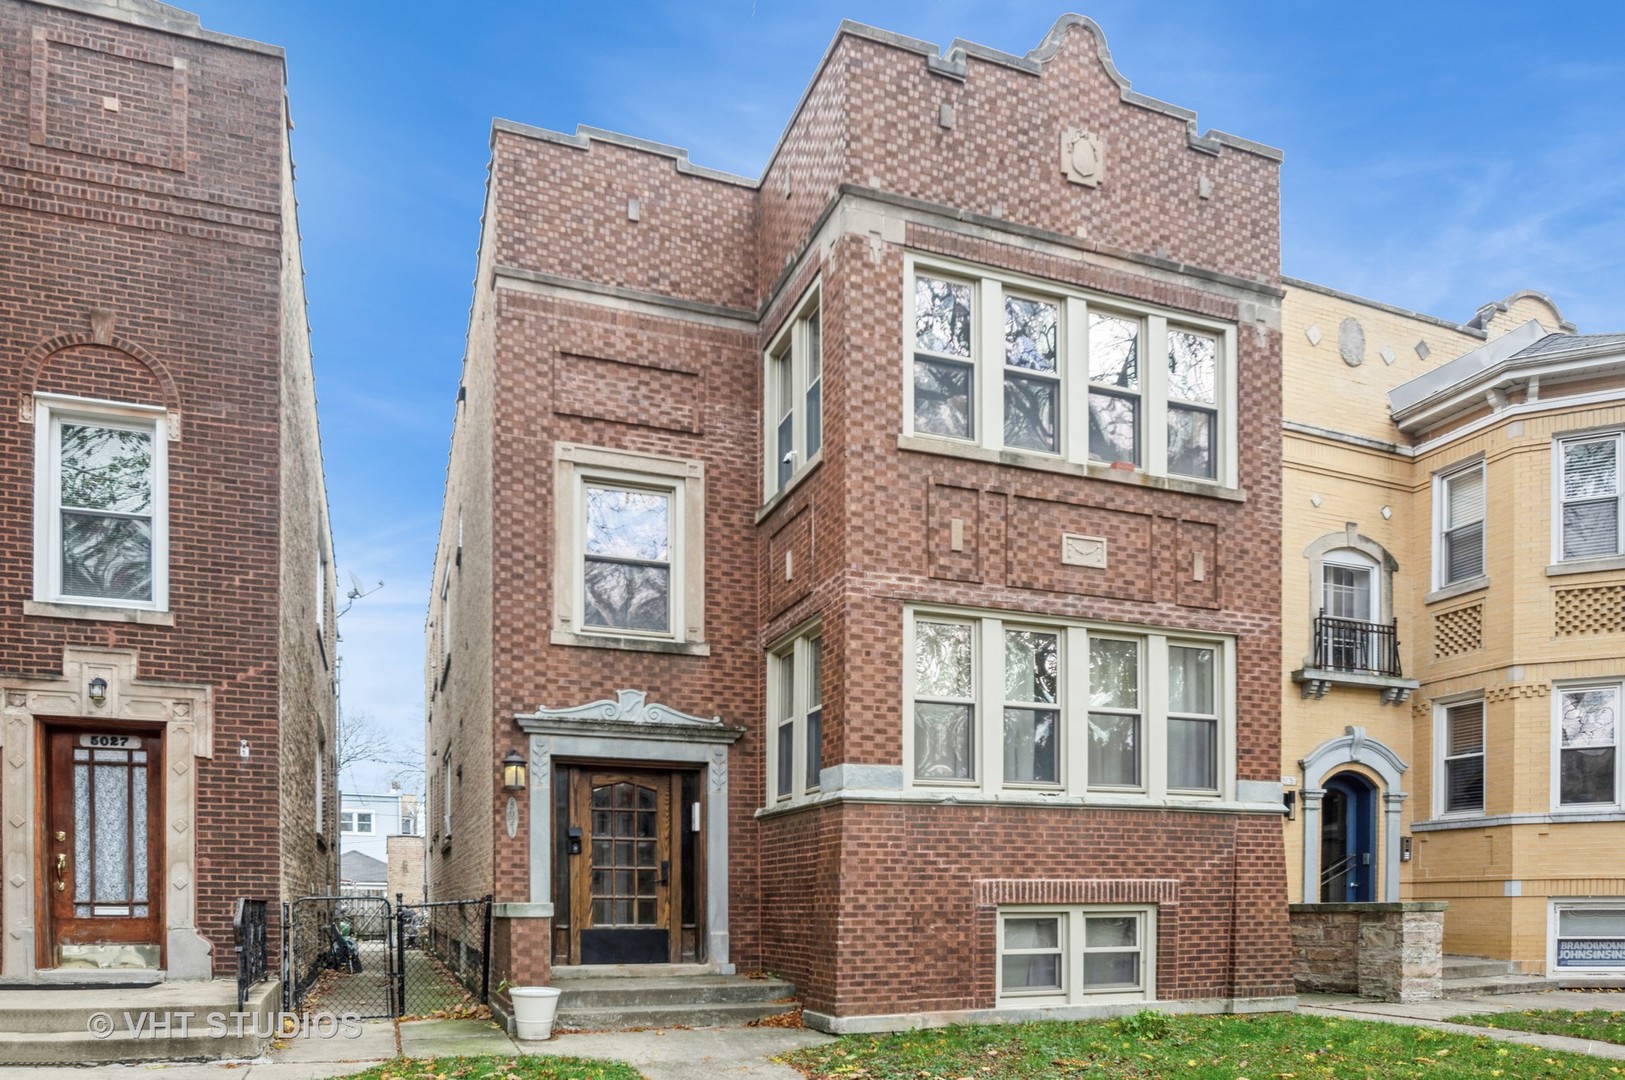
{"x":1351,"y":342}
{"x":1083,"y":159}
{"x":629,"y":707}
{"x":1077,"y":550}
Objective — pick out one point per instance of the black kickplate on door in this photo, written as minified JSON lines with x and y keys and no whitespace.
{"x":624,"y":947}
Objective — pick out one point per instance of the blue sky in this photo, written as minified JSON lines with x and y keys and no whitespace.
{"x":1438,"y":156}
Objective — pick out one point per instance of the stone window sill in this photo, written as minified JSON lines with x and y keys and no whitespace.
{"x":926,"y":444}
{"x":96,"y":613}
{"x":1457,"y":588}
{"x":1586,"y":566}
{"x":630,"y":644}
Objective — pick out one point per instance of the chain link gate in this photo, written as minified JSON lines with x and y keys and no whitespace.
{"x":338,"y":956}
{"x":444,"y":951}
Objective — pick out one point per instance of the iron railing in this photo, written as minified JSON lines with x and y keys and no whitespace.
{"x":253,"y":963}
{"x":1353,"y":645}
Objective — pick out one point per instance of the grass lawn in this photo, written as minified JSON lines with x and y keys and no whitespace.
{"x":1599,"y":1024}
{"x":1267,"y":1047}
{"x":499,"y":1068}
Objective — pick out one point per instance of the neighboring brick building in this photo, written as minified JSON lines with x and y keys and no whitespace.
{"x":1452,"y":548}
{"x":166,"y":604}
{"x":760,"y":491}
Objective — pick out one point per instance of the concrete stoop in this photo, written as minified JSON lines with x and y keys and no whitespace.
{"x":1475,"y":976}
{"x":178,"y":1021}
{"x":616,"y":1003}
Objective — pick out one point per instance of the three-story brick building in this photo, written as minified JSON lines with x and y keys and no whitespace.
{"x":872,"y":563}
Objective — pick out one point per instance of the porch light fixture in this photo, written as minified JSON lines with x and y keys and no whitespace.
{"x":98,"y":690}
{"x":513,"y":771}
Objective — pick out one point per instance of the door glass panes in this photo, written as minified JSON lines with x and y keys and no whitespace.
{"x":1591,"y":498}
{"x":1193,"y":367}
{"x":627,"y":572}
{"x":944,"y":709}
{"x":1464,"y":757}
{"x":1114,"y":713}
{"x":106,"y":505}
{"x":110,"y":864}
{"x":1463,"y":538}
{"x":624,"y":872}
{"x":943,"y":368}
{"x":1031,"y":720}
{"x":1032,"y":954}
{"x":1589,"y":720}
{"x":1114,"y":389}
{"x":1193,"y":722}
{"x":1031,"y":375}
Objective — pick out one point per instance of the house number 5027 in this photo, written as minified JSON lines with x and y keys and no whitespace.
{"x":114,"y":742}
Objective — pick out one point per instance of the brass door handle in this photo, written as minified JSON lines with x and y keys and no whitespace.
{"x":61,"y":868}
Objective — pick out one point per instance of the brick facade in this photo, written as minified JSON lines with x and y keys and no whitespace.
{"x":625,"y":300}
{"x":149,"y":256}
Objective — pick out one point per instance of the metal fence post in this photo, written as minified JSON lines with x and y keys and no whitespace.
{"x":287,"y":965}
{"x":400,"y":951}
{"x":485,"y":979}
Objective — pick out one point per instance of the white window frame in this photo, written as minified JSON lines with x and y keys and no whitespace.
{"x":350,"y":822}
{"x":445,"y":621}
{"x":1558,"y":690}
{"x":321,"y":788}
{"x":683,"y":481}
{"x":1442,"y":758}
{"x":987,"y":741}
{"x":1072,"y":949}
{"x":1441,"y":485}
{"x":988,"y":356}
{"x":445,"y":796}
{"x":50,"y":410}
{"x":793,"y":346}
{"x":795,"y":653}
{"x":1554,"y":913}
{"x":1559,"y":502}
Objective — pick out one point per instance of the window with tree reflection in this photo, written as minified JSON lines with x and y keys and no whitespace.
{"x":627,"y":562}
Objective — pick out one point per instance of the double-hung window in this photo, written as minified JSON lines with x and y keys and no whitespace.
{"x":1460,"y":736}
{"x":795,"y":396}
{"x":355,"y":821}
{"x":1063,"y":707}
{"x":1589,"y":494}
{"x":1083,"y":955}
{"x":1460,"y":533}
{"x":630,"y":550}
{"x":1048,"y":377}
{"x":101,"y":528}
{"x":1587,"y":769}
{"x":796,"y":708}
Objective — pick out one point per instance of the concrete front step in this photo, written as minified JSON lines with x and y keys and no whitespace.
{"x":171,"y":1022}
{"x":608,"y":1004}
{"x":1474,"y":967}
{"x":1493,"y":985}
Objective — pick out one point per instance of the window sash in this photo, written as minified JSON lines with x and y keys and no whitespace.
{"x":795,"y":708}
{"x":793,"y":397}
{"x":1587,"y":771}
{"x":109,"y":555}
{"x":1589,"y":497}
{"x":1462,"y":746}
{"x":1461,"y":525}
{"x":1054,"y":960}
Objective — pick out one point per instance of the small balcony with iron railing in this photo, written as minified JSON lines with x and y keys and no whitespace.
{"x":1354,"y":652}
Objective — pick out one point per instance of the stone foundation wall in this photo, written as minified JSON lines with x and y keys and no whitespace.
{"x":1392,"y":952}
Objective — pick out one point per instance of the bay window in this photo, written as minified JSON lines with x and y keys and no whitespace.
{"x":795,"y":701}
{"x":794,"y":397}
{"x":1587,"y":765}
{"x":1006,"y":705}
{"x":1459,"y":535}
{"x":1044,"y":376}
{"x":1589,"y":497}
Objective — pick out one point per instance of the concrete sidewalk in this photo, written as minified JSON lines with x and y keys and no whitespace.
{"x":1435,"y":1013}
{"x":739,"y":1053}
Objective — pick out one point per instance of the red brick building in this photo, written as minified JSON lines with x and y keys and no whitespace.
{"x":166,"y":599}
{"x":864,"y":604}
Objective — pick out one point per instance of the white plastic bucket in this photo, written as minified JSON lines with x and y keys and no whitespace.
{"x":533,"y":1011}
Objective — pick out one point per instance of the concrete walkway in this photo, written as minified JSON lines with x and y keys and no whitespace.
{"x":1435,"y":1013}
{"x":741,"y":1053}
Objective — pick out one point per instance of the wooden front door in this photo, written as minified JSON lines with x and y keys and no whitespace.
{"x":624,"y":885}
{"x":102,"y":849}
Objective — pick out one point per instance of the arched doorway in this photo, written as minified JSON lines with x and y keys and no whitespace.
{"x":1348,"y":836}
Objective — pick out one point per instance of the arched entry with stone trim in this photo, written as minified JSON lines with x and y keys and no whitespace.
{"x":1350,"y":798}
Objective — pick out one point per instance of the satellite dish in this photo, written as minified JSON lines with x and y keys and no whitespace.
{"x":355,"y":586}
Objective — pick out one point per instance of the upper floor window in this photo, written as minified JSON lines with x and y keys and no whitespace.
{"x":1587,"y":767}
{"x":355,"y":821}
{"x":1460,"y":739}
{"x":1003,"y":704}
{"x":1003,"y":364}
{"x":796,"y":706}
{"x":100,"y":494}
{"x":1460,"y":524}
{"x":629,"y":545}
{"x":1589,"y":497}
{"x":795,"y":396}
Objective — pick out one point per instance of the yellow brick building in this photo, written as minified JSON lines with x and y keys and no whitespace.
{"x":1454,"y":621}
